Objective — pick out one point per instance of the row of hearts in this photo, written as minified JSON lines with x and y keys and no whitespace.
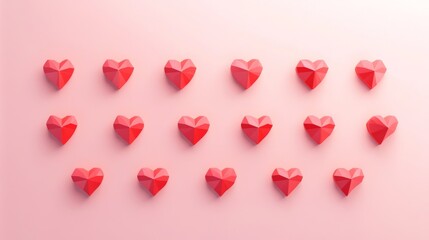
{"x":219,"y":180}
{"x":194,"y":129}
{"x":244,"y":72}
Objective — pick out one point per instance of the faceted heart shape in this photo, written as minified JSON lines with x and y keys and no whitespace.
{"x":256,"y":129}
{"x":88,"y":181}
{"x":61,"y":128}
{"x":180,"y":73}
{"x":381,"y":128}
{"x":128,"y":129}
{"x":118,"y":73}
{"x":153,"y":181}
{"x":246,"y":73}
{"x":58,"y":73}
{"x":347,"y":180}
{"x":311,"y":73}
{"x":193,"y":129}
{"x":319,"y":129}
{"x":370,"y":73}
{"x":287,"y":180}
{"x":220,"y":181}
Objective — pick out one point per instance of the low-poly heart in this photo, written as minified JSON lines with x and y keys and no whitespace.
{"x":287,"y":180}
{"x":246,"y":73}
{"x":61,"y":128}
{"x":118,"y":73}
{"x":220,"y":180}
{"x":381,"y":128}
{"x":319,"y":129}
{"x":128,"y":129}
{"x":370,"y":73}
{"x":256,"y":129}
{"x":180,"y":73}
{"x":88,"y":181}
{"x":58,"y":73}
{"x":347,"y":180}
{"x":311,"y":73}
{"x":193,"y":129}
{"x":154,"y":180}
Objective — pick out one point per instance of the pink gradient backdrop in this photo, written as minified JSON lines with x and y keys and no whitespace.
{"x":38,"y":200}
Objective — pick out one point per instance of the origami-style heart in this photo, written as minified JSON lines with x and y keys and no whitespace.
{"x":347,"y":180}
{"x":311,"y":73}
{"x":61,"y":128}
{"x":319,"y":129}
{"x":118,"y":73}
{"x":58,"y":73}
{"x":153,"y":181}
{"x":380,"y":128}
{"x":370,"y":73}
{"x":219,"y":180}
{"x":256,"y":129}
{"x":287,"y":180}
{"x":193,"y":129}
{"x":88,"y":181}
{"x":246,"y":73}
{"x":180,"y":73}
{"x":128,"y":129}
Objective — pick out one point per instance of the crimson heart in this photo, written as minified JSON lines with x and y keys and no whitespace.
{"x":256,"y":129}
{"x":193,"y":129}
{"x":61,"y":128}
{"x":370,"y":73}
{"x":311,"y":73}
{"x":88,"y":181}
{"x":128,"y":129}
{"x":153,"y":181}
{"x":381,"y":128}
{"x":347,"y":180}
{"x":287,"y":180}
{"x":246,"y":73}
{"x":319,"y":129}
{"x":220,"y":180}
{"x":58,"y":73}
{"x":180,"y":73}
{"x":118,"y":73}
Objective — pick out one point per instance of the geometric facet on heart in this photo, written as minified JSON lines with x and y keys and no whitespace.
{"x":347,"y":180}
{"x":246,"y":73}
{"x":381,"y":128}
{"x":311,"y":73}
{"x":370,"y":73}
{"x":319,"y":129}
{"x":153,"y":180}
{"x":128,"y":129}
{"x":287,"y":180}
{"x":61,"y":128}
{"x":256,"y":129}
{"x":58,"y":73}
{"x":193,"y":129}
{"x":117,"y":73}
{"x":180,"y":73}
{"x":220,"y":180}
{"x":88,"y":181}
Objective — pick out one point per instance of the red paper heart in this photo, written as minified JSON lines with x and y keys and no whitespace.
{"x":153,"y":181}
{"x":347,"y":180}
{"x":287,"y":180}
{"x":220,"y":181}
{"x":319,"y":129}
{"x":118,"y":73}
{"x":370,"y":73}
{"x":193,"y":129}
{"x":312,"y":74}
{"x":180,"y":73}
{"x":61,"y":128}
{"x":246,"y":73}
{"x":88,"y":181}
{"x":381,"y":128}
{"x":256,"y":129}
{"x":58,"y":73}
{"x":128,"y":129}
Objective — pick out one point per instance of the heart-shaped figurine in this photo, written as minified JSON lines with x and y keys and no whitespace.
{"x":381,"y":128}
{"x":319,"y":129}
{"x":347,"y":180}
{"x":220,"y":180}
{"x":246,"y":73}
{"x":256,"y":128}
{"x":128,"y":129}
{"x":61,"y":128}
{"x":118,"y":73}
{"x":88,"y":181}
{"x":154,"y":180}
{"x":193,"y":129}
{"x":180,"y":73}
{"x":287,"y":180}
{"x":370,"y":73}
{"x":58,"y":73}
{"x":311,"y":73}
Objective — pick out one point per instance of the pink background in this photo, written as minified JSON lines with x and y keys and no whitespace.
{"x":39,"y":201}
